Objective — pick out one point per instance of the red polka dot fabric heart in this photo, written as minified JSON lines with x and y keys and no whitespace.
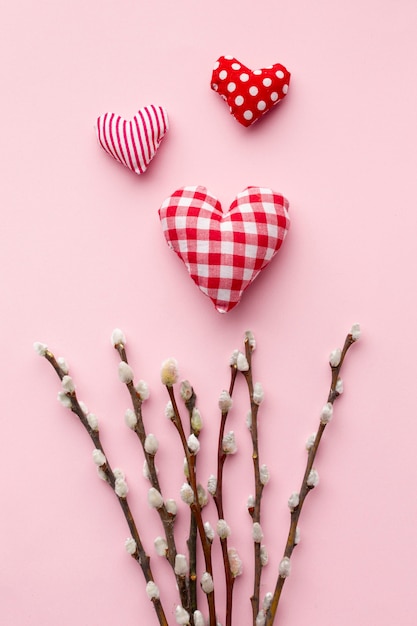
{"x":133,"y":142}
{"x":249,"y":94}
{"x":224,"y":252}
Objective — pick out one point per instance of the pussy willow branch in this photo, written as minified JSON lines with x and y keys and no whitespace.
{"x":195,"y":506}
{"x":305,"y":488}
{"x":256,"y":511}
{"x":193,"y":532}
{"x":218,"y":499}
{"x":140,"y":554}
{"x":167,"y":518}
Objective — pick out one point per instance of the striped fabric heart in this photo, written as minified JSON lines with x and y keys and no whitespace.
{"x":133,"y":143}
{"x":224,"y":252}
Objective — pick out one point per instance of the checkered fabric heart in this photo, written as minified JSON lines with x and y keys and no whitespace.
{"x":133,"y":143}
{"x":224,"y":252}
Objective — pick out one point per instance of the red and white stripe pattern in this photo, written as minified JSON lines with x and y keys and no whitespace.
{"x":224,"y":252}
{"x":133,"y":142}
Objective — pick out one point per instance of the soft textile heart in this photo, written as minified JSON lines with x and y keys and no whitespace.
{"x":248,"y":93}
{"x":133,"y":142}
{"x":224,"y":252}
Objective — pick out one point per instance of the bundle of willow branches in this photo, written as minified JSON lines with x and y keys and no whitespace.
{"x":192,"y":493}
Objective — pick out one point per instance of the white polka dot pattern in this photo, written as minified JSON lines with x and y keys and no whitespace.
{"x":225,"y":252}
{"x":249,"y":94}
{"x":133,"y":143}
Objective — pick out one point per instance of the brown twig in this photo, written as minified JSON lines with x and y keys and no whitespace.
{"x":166,"y":517}
{"x":305,"y":487}
{"x":195,"y":506}
{"x":255,"y":512}
{"x":218,"y":499}
{"x":140,"y":554}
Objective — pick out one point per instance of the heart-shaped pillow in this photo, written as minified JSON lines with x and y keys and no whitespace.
{"x":248,"y":93}
{"x":133,"y":142}
{"x":224,"y":252}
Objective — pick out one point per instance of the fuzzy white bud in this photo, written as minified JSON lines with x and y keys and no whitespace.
{"x":258,"y":393}
{"x":68,"y":384}
{"x":142,"y":390}
{"x":181,"y":565}
{"x":249,"y":419}
{"x":264,"y":474}
{"x":339,"y":386}
{"x":155,"y":500}
{"x":40,"y":348}
{"x":267,"y":600}
{"x":313,"y":478}
{"x":63,"y":364}
{"x":118,"y":473}
{"x":212,"y":484}
{"x":229,"y":443}
{"x":257,"y":533}
{"x":125,"y":373}
{"x":186,"y":390}
{"x":152,"y":590}
{"x":161,"y":546}
{"x":235,"y":562}
{"x":169,"y":372}
{"x":209,"y":531}
{"x":202,"y":496}
{"x":293,"y":501}
{"x":284,"y":567}
{"x":250,"y":503}
{"x":92,"y":421}
{"x":297,"y":536}
{"x":64,"y":399}
{"x":131,"y":419}
{"x":130,"y":545}
{"x":355,"y":332}
{"x":102,"y":474}
{"x":264,"y":556}
{"x":187,"y":494}
{"x":233,"y":358}
{"x":326,"y":413}
{"x":310,"y":442}
{"x":118,"y":338}
{"x":206,"y":582}
{"x":169,"y":410}
{"x":196,"y":420}
{"x":335,"y":356}
{"x":151,"y":444}
{"x":250,"y":338}
{"x":186,"y":468}
{"x":223,"y":529}
{"x":225,"y":402}
{"x":193,"y":444}
{"x":260,"y":618}
{"x":171,"y":506}
{"x":145,"y":470}
{"x":121,"y":488}
{"x":198,"y":618}
{"x":242,"y":362}
{"x":98,"y":457}
{"x":182,"y":617}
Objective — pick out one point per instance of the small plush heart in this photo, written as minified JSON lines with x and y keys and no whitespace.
{"x":248,"y":93}
{"x":224,"y":252}
{"x":133,"y":142}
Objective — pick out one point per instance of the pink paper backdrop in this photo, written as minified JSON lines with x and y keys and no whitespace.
{"x":82,"y":252}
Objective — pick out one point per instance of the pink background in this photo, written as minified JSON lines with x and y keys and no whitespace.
{"x":82,"y":252}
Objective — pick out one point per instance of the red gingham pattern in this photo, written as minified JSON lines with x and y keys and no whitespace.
{"x":135,"y":142}
{"x":248,"y":93}
{"x":224,"y":252}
